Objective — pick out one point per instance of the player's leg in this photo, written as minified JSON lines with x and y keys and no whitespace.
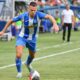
{"x":29,"y":60}
{"x":69,"y":32}
{"x":64,"y":32}
{"x":19,"y":50}
{"x":28,"y":63}
{"x":32,"y":50}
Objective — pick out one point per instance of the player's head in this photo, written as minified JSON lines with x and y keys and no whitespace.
{"x":67,"y":6}
{"x":32,"y":8}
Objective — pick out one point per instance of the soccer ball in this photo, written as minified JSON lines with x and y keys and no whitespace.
{"x":35,"y":75}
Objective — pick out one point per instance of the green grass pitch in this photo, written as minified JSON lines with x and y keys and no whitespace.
{"x":56,"y":60}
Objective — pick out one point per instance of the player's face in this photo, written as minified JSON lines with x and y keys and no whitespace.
{"x":32,"y":10}
{"x":67,"y":7}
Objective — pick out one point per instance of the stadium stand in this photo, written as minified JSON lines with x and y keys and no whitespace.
{"x":6,"y":13}
{"x":7,"y":10}
{"x":7,"y":36}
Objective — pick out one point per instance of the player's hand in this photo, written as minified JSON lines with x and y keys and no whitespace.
{"x":56,"y":27}
{"x":1,"y":33}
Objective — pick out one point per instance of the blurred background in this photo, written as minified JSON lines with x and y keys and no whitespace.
{"x":11,"y":8}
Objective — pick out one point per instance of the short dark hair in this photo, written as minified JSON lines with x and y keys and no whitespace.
{"x":33,"y":3}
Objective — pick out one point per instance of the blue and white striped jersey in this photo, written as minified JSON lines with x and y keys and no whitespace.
{"x":30,"y":25}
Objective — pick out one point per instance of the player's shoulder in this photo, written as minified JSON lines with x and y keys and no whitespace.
{"x":71,"y":10}
{"x":64,"y":10}
{"x":39,"y":12}
{"x":24,"y":13}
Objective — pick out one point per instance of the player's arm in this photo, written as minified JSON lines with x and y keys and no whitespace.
{"x":6,"y":26}
{"x":51,"y":18}
{"x":10,"y":22}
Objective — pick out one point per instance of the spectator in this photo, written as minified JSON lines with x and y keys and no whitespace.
{"x":67,"y":21}
{"x":60,"y":2}
{"x":52,"y":3}
{"x":76,"y":23}
{"x":40,"y":5}
{"x":74,"y":2}
{"x":58,"y":19}
{"x":78,"y":1}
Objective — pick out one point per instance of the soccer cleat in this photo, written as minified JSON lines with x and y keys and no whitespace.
{"x":19,"y":75}
{"x":30,"y":75}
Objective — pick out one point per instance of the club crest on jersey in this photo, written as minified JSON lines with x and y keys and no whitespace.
{"x":32,"y":26}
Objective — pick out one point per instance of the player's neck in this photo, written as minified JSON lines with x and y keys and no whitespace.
{"x":31,"y":16}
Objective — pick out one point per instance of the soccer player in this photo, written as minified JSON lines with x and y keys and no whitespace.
{"x":28,"y":34}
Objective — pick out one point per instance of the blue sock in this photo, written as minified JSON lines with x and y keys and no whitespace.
{"x":28,"y":62}
{"x":18,"y":64}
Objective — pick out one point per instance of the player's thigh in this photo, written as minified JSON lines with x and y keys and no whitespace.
{"x":20,"y":43}
{"x":31,"y":47}
{"x":19,"y":51}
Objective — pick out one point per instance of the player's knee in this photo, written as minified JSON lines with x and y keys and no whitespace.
{"x":32,"y":55}
{"x":18,"y":55}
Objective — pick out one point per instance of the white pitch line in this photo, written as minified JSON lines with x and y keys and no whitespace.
{"x":54,"y":46}
{"x":36,"y":59}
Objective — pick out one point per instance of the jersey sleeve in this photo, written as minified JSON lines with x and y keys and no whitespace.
{"x":17,"y":18}
{"x":41,"y":15}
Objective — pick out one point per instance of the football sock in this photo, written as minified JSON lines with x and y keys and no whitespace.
{"x":30,"y":68}
{"x":18,"y":64}
{"x":28,"y":62}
